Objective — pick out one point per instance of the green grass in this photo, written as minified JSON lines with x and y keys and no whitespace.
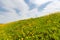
{"x":41,"y":28}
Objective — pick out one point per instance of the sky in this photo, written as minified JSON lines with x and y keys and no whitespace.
{"x":13,"y":10}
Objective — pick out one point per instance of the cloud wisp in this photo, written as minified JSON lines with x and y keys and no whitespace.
{"x":12,"y":10}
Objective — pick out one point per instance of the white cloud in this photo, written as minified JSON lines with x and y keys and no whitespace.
{"x":55,"y":6}
{"x":24,"y":8}
{"x":12,"y":15}
{"x":39,"y":2}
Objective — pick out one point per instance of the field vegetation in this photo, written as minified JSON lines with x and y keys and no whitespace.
{"x":41,"y":28}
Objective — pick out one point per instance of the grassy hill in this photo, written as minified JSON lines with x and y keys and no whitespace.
{"x":41,"y":28}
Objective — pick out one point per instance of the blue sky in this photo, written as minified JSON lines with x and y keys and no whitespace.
{"x":42,"y":6}
{"x":17,"y":10}
{"x":3,"y":9}
{"x":31,"y":5}
{"x":13,"y":10}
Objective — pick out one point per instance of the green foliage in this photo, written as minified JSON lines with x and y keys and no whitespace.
{"x":41,"y":28}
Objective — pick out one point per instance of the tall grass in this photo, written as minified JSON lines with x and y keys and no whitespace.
{"x":41,"y":28}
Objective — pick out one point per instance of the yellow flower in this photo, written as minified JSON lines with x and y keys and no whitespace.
{"x":22,"y":38}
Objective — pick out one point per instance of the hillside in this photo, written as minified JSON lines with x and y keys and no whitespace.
{"x":41,"y":28}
